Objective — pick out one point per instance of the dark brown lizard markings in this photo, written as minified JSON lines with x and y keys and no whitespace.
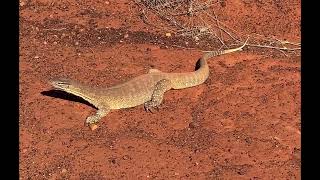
{"x":147,"y":89}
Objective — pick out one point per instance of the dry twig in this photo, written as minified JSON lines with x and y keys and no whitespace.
{"x":197,"y":19}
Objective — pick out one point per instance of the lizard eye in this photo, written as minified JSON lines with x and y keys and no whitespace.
{"x":63,"y":83}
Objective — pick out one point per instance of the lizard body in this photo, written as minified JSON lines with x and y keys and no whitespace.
{"x":147,"y":89}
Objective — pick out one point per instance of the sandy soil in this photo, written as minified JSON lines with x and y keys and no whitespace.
{"x":242,"y":123}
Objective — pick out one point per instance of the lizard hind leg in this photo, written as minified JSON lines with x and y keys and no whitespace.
{"x":157,"y":96}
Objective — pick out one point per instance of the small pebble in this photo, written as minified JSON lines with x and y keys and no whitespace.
{"x":168,"y":34}
{"x":22,"y":3}
{"x":125,"y":157}
{"x":64,"y":170}
{"x":93,"y":127}
{"x":193,"y":125}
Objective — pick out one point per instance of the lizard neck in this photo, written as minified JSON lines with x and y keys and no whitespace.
{"x":85,"y":92}
{"x":81,"y":92}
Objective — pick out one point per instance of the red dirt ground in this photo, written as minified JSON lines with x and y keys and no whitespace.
{"x":242,"y":123}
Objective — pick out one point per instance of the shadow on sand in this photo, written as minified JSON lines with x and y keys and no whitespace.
{"x":66,"y":96}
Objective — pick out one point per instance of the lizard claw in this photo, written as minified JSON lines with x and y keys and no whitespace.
{"x":147,"y":109}
{"x":149,"y":106}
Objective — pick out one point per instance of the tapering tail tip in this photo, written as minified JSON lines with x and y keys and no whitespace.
{"x":210,"y":54}
{"x":238,"y":48}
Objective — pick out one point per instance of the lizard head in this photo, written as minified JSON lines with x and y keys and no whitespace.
{"x":73,"y":87}
{"x":63,"y":84}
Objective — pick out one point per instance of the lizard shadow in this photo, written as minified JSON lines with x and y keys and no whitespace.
{"x":66,"y":96}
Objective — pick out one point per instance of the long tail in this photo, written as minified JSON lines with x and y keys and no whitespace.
{"x":210,"y":54}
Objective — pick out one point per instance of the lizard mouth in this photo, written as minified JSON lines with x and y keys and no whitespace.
{"x":60,"y":84}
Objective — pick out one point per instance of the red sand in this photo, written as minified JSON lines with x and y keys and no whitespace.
{"x":242,"y":123}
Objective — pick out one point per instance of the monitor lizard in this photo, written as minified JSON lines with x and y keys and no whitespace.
{"x":147,"y":89}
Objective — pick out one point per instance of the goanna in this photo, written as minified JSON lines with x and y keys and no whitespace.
{"x":147,"y":89}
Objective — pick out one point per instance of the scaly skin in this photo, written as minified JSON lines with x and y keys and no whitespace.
{"x":147,"y":89}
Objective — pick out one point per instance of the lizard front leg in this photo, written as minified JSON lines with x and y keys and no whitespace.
{"x":94,"y":119}
{"x":157,"y":96}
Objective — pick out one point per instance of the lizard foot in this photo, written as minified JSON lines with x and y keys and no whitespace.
{"x":148,"y":106}
{"x":92,"y":120}
{"x":157,"y":96}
